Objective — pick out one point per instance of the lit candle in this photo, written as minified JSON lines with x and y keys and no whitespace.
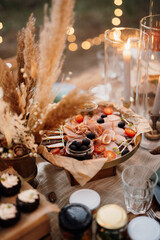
{"x":156,"y":104}
{"x":127,"y":62}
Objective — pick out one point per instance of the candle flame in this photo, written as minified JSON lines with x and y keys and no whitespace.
{"x":127,"y":46}
{"x":117,"y":34}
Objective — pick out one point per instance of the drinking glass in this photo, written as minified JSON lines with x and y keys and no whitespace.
{"x":138,"y":188}
{"x":121,"y":55}
{"x":148,"y":78}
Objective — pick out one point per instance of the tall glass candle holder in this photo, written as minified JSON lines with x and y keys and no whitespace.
{"x":148,"y":84}
{"x":121,"y":55}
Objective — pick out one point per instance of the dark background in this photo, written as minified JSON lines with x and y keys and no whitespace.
{"x":92,"y":17}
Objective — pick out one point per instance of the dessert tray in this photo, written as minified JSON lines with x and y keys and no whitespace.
{"x":32,"y":225}
{"x":83,"y":169}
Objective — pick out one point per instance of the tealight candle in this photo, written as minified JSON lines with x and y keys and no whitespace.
{"x":156,"y":104}
{"x":127,"y":61}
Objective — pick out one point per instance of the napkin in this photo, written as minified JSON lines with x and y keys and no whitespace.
{"x":158,"y":173}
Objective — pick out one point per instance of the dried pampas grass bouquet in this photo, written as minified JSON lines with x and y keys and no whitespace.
{"x":26,"y":105}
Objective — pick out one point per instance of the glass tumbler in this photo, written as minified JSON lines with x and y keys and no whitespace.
{"x":148,"y":78}
{"x":121,"y":55}
{"x":138,"y":188}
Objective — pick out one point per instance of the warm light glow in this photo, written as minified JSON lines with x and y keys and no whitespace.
{"x":117,"y":34}
{"x":96,"y":41}
{"x":118,"y":2}
{"x":86,"y":45}
{"x":71,"y":38}
{"x":127,"y":46}
{"x":118,"y":12}
{"x":1,"y":25}
{"x":152,"y":57}
{"x":90,"y":40}
{"x":1,"y":39}
{"x":116,"y":21}
{"x":101,"y":37}
{"x":70,"y":31}
{"x":73,"y":47}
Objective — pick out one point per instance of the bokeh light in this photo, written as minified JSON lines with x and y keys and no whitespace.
{"x":116,"y":21}
{"x":1,"y":39}
{"x":85,"y":45}
{"x":70,"y":31}
{"x":118,"y":2}
{"x":90,"y":40}
{"x":101,"y":37}
{"x":1,"y":25}
{"x":73,"y":47}
{"x":97,"y":41}
{"x":118,"y":12}
{"x":71,"y":38}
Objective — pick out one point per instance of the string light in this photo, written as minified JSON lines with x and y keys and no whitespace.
{"x":70,"y":31}
{"x":116,"y":21}
{"x":118,"y":2}
{"x":1,"y":39}
{"x":71,"y":38}
{"x":86,"y":45}
{"x":90,"y":40}
{"x":97,"y":40}
{"x":73,"y":47}
{"x":1,"y":25}
{"x":118,"y":12}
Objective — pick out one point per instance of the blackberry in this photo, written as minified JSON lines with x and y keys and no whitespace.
{"x":121,"y":124}
{"x":100,"y":120}
{"x":91,"y":135}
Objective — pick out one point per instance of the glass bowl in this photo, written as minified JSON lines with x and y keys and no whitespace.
{"x":80,"y":154}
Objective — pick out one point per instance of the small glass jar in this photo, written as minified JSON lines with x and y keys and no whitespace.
{"x":80,"y":155}
{"x":75,"y":221}
{"x":111,"y":222}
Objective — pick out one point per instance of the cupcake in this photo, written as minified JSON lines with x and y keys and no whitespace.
{"x":9,"y":184}
{"x":28,"y":201}
{"x":9,"y":214}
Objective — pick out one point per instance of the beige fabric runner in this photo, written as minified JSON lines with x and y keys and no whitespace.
{"x":110,"y":189}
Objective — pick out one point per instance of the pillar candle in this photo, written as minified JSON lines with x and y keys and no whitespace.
{"x":127,"y":63}
{"x":156,"y":104}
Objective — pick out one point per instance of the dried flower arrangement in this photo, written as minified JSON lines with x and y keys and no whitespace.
{"x":25,"y":103}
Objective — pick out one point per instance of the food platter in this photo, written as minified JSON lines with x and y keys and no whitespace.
{"x":112,"y":163}
{"x":84,"y":137}
{"x":125,"y":157}
{"x":90,"y":167}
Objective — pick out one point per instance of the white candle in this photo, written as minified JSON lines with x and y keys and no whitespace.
{"x":127,"y":63}
{"x":156,"y":104}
